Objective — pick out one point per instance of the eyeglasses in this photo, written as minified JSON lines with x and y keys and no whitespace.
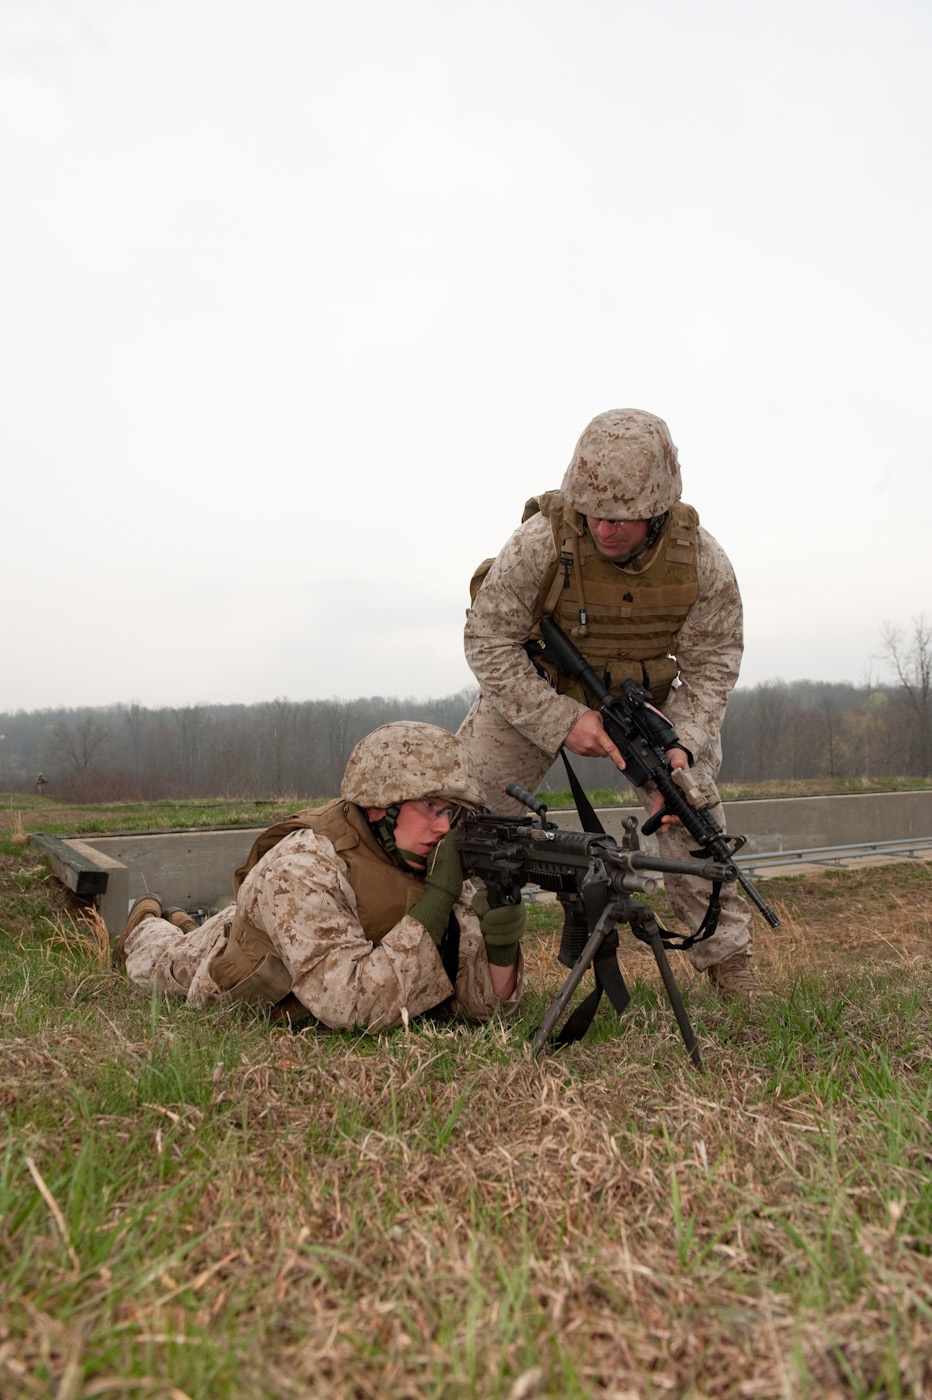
{"x":435,"y":809}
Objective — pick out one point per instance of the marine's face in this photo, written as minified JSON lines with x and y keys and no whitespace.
{"x":422,"y":825}
{"x":615,"y":539}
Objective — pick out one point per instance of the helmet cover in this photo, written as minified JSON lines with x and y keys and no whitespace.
{"x":407,"y":760}
{"x":624,"y":467}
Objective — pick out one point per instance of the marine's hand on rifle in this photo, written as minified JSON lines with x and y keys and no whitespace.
{"x":679,"y":758}
{"x":501,"y":929}
{"x":443,"y":885}
{"x":589,"y":739}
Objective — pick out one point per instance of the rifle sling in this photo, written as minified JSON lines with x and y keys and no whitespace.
{"x":449,"y":951}
{"x":587,"y":816}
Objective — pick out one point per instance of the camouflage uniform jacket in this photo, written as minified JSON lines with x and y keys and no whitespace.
{"x":299,"y":896}
{"x":502,"y":618}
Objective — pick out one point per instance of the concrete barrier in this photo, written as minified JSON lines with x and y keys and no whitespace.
{"x":801,"y":823}
{"x":804,"y":823}
{"x":194,"y":869}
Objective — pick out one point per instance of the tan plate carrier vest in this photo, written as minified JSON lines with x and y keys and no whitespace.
{"x":625,"y":622}
{"x":248,"y":969}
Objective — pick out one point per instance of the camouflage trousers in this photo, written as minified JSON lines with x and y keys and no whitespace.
{"x":159,"y":955}
{"x":500,"y":754}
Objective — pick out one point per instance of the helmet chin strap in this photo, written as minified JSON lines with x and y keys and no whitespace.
{"x":654,"y":527}
{"x":384,"y":832}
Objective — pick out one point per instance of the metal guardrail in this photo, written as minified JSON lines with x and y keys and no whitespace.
{"x":917,"y":848}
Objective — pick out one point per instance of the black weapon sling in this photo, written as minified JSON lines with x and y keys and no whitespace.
{"x":608,"y":978}
{"x":605,"y":969}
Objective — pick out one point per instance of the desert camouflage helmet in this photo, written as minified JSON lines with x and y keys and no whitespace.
{"x":624,"y":468}
{"x":407,"y":760}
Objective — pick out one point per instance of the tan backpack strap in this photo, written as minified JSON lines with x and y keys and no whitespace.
{"x":582,"y":630}
{"x":557,"y":584}
{"x":562,"y":525}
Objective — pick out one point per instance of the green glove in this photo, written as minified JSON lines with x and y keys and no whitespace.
{"x":501,"y":928}
{"x":443,"y":885}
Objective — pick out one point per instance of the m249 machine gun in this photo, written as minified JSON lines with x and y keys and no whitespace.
{"x":594,"y":879}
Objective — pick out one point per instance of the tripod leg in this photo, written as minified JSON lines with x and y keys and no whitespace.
{"x":584,"y":961}
{"x":673,"y":992}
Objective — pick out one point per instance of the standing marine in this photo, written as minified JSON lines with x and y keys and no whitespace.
{"x":624,"y":567}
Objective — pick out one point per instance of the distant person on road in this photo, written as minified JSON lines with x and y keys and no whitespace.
{"x":623,"y":566}
{"x":354,"y":914}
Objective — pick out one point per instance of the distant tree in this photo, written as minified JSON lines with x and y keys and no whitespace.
{"x":135,"y":722}
{"x":191,"y":723}
{"x":769,"y":705}
{"x":867,"y":726}
{"x":80,"y":748}
{"x":280,"y":717}
{"x":911,"y":659}
{"x":450,"y":711}
{"x":282,"y":748}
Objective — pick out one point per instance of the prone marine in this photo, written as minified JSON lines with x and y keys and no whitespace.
{"x":353,"y":915}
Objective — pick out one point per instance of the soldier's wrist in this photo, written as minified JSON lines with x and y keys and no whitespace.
{"x":502,"y":954}
{"x":433,"y":911}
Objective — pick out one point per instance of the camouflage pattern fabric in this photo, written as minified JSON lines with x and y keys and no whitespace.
{"x":625,"y":467}
{"x":406,"y":760}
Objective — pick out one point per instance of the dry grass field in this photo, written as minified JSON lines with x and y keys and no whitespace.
{"x":202,"y":1205}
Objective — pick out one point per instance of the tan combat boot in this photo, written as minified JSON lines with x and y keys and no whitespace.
{"x":734,"y":977}
{"x":180,"y":918}
{"x":148,"y":906}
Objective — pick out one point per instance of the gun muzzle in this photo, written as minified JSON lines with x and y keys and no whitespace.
{"x":633,"y":882}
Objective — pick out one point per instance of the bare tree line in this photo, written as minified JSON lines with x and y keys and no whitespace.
{"x":128,"y":752}
{"x":813,"y":730}
{"x":795,"y":730}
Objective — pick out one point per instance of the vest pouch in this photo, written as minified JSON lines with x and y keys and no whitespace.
{"x":267,"y":984}
{"x":564,"y":685}
{"x":569,"y":686}
{"x":246,"y":967}
{"x":659,"y":675}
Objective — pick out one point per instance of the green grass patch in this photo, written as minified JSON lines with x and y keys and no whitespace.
{"x":201,"y":1204}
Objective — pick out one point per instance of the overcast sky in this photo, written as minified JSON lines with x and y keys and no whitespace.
{"x":299,"y":302}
